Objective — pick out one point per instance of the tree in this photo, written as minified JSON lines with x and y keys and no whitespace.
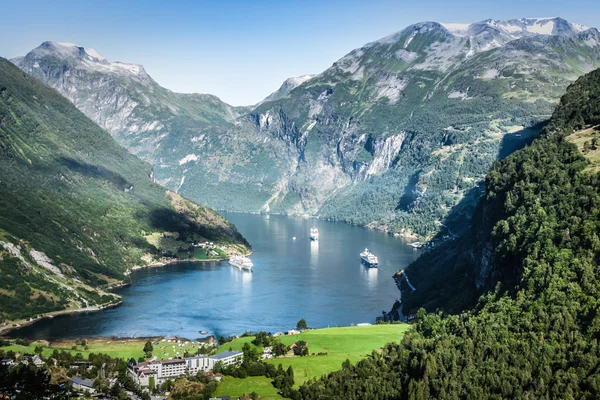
{"x":151,"y":384}
{"x":301,"y":348}
{"x":280,"y":349}
{"x":301,"y":325}
{"x":148,"y":348}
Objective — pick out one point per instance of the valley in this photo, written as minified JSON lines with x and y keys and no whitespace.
{"x":396,"y":135}
{"x":77,"y":207}
{"x":464,"y":158}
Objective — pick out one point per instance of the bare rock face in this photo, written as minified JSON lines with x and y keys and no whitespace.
{"x":394,"y":135}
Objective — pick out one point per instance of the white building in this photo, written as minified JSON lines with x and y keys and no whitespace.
{"x":161,"y":370}
{"x":207,"y":363}
{"x":37,"y":361}
{"x":83,"y":385}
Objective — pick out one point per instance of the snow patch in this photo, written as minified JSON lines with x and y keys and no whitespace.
{"x":457,"y":29}
{"x":94,"y":54}
{"x":490,"y":74}
{"x":459,"y":94}
{"x":187,"y":159}
{"x":541,"y":27}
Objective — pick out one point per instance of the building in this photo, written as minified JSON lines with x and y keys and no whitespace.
{"x":83,"y":385}
{"x":37,"y":361}
{"x":199,"y":364}
{"x":229,"y":357}
{"x":161,"y":370}
{"x":207,"y":363}
{"x":7,"y":362}
{"x":267,"y":352}
{"x":292,"y":332}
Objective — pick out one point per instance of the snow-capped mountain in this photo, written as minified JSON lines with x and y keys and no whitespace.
{"x":393,"y":135}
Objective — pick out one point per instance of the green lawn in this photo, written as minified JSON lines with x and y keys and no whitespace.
{"x":348,"y":341}
{"x":235,"y":387}
{"x":309,"y":367}
{"x":122,"y":348}
{"x":340,"y":344}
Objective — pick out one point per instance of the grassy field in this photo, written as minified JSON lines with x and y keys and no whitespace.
{"x":340,"y":344}
{"x":580,"y":138}
{"x":121,"y":348}
{"x":236,"y":387}
{"x":348,"y":341}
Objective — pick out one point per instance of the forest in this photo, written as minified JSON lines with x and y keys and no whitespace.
{"x":533,"y":333}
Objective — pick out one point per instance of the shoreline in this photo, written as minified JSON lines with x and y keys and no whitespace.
{"x":23,"y":323}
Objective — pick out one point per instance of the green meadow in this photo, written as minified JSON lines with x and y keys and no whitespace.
{"x":339,"y":344}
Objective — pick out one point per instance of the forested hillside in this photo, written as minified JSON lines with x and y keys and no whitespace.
{"x":535,"y":245}
{"x":76,"y":209}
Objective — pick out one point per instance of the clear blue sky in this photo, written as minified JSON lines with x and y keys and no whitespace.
{"x":243,"y":50}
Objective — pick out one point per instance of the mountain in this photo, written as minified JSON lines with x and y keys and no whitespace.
{"x":124,"y":100}
{"x":286,"y":87}
{"x":396,"y":135}
{"x":77,"y":210}
{"x":532,"y":255}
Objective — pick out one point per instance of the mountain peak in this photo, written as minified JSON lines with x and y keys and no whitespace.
{"x":69,"y":48}
{"x":288,"y":85}
{"x":78,"y":57}
{"x":517,"y":28}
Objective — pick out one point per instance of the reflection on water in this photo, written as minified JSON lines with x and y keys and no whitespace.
{"x":291,"y":279}
{"x":314,"y":252}
{"x":371,"y":275}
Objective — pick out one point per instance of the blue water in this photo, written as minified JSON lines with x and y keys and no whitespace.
{"x":323,"y":282}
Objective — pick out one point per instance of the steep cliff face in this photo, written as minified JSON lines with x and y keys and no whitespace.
{"x":393,"y":135}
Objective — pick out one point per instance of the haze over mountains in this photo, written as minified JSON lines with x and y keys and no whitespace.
{"x":393,"y":135}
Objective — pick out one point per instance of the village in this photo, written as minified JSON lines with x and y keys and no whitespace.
{"x":162,"y":362}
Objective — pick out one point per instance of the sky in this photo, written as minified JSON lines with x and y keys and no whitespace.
{"x":239,"y":50}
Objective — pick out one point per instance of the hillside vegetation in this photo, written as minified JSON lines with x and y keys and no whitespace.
{"x":76,"y":208}
{"x":534,"y":334}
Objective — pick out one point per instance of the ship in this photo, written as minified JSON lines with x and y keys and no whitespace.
{"x":241,"y":262}
{"x":314,"y":234}
{"x":368,"y":258}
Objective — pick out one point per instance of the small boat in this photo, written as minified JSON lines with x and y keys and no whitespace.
{"x":203,"y":332}
{"x":314,"y":234}
{"x":241,"y":262}
{"x":369,"y":259}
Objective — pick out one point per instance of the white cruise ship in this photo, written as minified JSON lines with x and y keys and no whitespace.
{"x":241,"y":262}
{"x":314,"y":234}
{"x":369,"y":258}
